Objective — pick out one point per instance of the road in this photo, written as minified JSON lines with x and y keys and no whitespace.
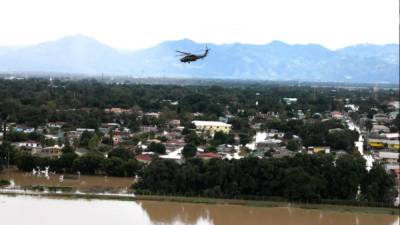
{"x":360,"y":145}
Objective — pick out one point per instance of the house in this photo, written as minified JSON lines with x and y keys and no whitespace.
{"x":381,"y":118}
{"x":144,"y":158}
{"x":212,"y":126}
{"x":393,"y":144}
{"x":380,"y":129}
{"x":110,"y":126}
{"x":25,"y":129}
{"x":391,"y":136}
{"x":52,"y":151}
{"x":393,"y":115}
{"x":152,"y":114}
{"x":174,"y":123}
{"x":55,"y":125}
{"x":300,"y":114}
{"x":272,"y":133}
{"x":174,"y":143}
{"x":352,"y":107}
{"x":226,"y":148}
{"x":175,"y":155}
{"x":384,"y":143}
{"x":207,"y":155}
{"x":317,"y":149}
{"x":336,"y":115}
{"x":118,"y":111}
{"x":28,"y":144}
{"x":290,"y":101}
{"x":149,"y":128}
{"x":81,"y":130}
{"x":197,"y":114}
{"x":51,"y":137}
{"x":376,"y":143}
{"x":388,"y":157}
{"x":394,"y":104}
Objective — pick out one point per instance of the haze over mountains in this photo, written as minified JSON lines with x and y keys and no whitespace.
{"x":273,"y":61}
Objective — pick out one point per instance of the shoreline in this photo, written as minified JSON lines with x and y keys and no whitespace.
{"x":202,"y":200}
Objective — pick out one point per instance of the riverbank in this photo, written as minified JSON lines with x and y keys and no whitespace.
{"x":71,"y":195}
{"x":202,"y":200}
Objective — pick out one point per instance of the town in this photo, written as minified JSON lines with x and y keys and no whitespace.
{"x":123,"y":129}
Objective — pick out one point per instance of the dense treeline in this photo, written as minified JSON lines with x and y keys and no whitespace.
{"x":81,"y":104}
{"x":301,"y":178}
{"x":120,"y":161}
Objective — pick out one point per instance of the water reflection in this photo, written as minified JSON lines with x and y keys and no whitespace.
{"x":24,"y":210}
{"x":195,"y":214}
{"x":82,"y":183}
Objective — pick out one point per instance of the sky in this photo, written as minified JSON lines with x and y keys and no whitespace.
{"x":136,"y":24}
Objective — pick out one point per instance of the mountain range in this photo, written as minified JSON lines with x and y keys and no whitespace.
{"x":273,"y":61}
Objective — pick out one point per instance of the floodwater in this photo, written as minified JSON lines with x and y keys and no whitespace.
{"x":27,"y":210}
{"x":82,"y":183}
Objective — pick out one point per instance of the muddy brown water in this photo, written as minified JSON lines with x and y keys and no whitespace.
{"x":28,"y":210}
{"x":82,"y":182}
{"x":20,"y":210}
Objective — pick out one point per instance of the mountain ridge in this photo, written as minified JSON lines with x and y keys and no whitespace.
{"x":273,"y":61}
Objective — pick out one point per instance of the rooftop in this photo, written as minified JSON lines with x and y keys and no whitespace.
{"x":210,"y":123}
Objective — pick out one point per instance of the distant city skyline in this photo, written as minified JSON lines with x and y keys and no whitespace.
{"x":132,"y":25}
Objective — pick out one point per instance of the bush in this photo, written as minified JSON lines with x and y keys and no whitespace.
{"x":4,"y":182}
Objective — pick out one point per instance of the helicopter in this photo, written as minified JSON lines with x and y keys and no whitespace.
{"x":189,"y":57}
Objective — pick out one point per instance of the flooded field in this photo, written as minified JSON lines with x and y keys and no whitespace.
{"x":24,"y":210}
{"x":82,"y":183}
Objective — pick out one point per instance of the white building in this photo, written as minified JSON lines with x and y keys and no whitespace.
{"x":212,"y":126}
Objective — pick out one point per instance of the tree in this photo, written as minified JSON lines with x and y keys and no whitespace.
{"x":65,"y":162}
{"x":7,"y":153}
{"x":67,"y":149}
{"x":299,"y":185}
{"x":339,"y":140}
{"x":193,"y":138}
{"x":348,"y":174}
{"x":378,"y":185}
{"x":220,"y":138}
{"x":131,"y":167}
{"x":211,"y":149}
{"x":244,"y":138}
{"x":93,"y":142}
{"x":85,"y":138}
{"x":90,"y":163}
{"x":163,"y":139}
{"x":156,"y":148}
{"x":25,"y":161}
{"x":113,"y":166}
{"x":189,"y":150}
{"x":292,"y":145}
{"x":121,"y":153}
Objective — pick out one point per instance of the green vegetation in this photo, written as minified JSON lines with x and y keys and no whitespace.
{"x":304,"y":178}
{"x":4,"y":182}
{"x":189,"y":150}
{"x":117,"y":164}
{"x":156,"y":147}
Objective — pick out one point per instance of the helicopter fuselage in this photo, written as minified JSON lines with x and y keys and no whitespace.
{"x":192,"y":57}
{"x":189,"y":58}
